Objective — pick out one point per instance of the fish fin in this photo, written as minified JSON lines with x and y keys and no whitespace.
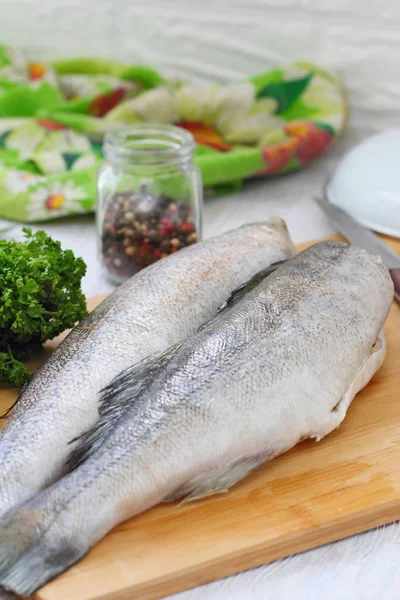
{"x":241,"y":291}
{"x":122,"y":391}
{"x":40,"y":565}
{"x":6,"y":595}
{"x":34,"y":545}
{"x":126,"y":386}
{"x":219,"y":480}
{"x":17,"y":534}
{"x":361,"y":378}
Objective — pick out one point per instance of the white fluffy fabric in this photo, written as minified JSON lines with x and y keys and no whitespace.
{"x":363,"y":567}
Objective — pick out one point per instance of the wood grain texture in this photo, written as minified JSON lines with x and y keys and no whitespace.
{"x":314,"y":494}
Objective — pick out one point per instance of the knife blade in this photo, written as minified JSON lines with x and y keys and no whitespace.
{"x":360,"y":236}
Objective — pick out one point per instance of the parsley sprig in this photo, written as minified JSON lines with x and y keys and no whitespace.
{"x":40,"y":296}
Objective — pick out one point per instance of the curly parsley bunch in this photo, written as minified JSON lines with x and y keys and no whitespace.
{"x":40,"y":296}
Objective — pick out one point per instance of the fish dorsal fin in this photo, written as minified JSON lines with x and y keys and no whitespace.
{"x":241,"y":291}
{"x":221,"y":479}
{"x":126,"y":386}
{"x":124,"y":389}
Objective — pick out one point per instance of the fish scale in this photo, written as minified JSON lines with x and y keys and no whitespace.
{"x":268,"y":372}
{"x":156,"y":308}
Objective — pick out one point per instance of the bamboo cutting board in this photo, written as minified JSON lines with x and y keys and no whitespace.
{"x":314,"y":494}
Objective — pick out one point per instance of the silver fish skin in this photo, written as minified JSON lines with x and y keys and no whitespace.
{"x":157,"y":307}
{"x":281,"y":365}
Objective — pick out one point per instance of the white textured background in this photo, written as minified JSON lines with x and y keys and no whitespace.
{"x":227,"y":39}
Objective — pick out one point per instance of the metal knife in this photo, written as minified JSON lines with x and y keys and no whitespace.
{"x":360,"y":236}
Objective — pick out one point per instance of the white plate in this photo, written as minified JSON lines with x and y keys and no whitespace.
{"x":366,"y":183}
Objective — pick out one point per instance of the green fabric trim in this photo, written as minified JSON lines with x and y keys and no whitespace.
{"x":272,"y":123}
{"x":87,"y":66}
{"x":229,"y":166}
{"x":24,"y":101}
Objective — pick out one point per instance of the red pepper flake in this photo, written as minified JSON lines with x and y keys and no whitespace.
{"x":168,"y":226}
{"x":136,"y":239}
{"x":167,"y":231}
{"x":186,"y":228}
{"x":144,"y":250}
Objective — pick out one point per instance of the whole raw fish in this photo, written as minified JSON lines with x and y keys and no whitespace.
{"x":159,"y":306}
{"x":281,"y":364}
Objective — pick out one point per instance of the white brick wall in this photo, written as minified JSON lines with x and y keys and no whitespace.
{"x":227,"y":39}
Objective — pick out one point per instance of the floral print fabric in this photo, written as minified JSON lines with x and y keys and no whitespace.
{"x":272,"y":123}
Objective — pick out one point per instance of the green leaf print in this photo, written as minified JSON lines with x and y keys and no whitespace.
{"x":286,"y":92}
{"x":261,"y":81}
{"x":326,"y":127}
{"x":298,"y":110}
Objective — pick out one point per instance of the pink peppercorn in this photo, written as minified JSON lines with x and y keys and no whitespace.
{"x":186,"y":228}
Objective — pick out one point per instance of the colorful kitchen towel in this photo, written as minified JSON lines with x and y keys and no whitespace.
{"x":270,"y":124}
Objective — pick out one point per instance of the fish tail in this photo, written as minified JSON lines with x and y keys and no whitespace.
{"x":36,"y":543}
{"x":40,"y":565}
{"x":17,"y":535}
{"x":6,"y":595}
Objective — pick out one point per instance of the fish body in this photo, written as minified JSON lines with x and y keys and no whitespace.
{"x":156,"y":308}
{"x":280,"y":365}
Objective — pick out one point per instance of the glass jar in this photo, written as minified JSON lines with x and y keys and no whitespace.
{"x":150,"y":197}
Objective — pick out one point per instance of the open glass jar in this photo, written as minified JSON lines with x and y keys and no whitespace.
{"x":150,"y":197}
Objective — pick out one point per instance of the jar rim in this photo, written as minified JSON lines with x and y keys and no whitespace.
{"x":149,"y":144}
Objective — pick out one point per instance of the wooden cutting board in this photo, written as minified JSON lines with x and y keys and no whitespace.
{"x":314,"y":494}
